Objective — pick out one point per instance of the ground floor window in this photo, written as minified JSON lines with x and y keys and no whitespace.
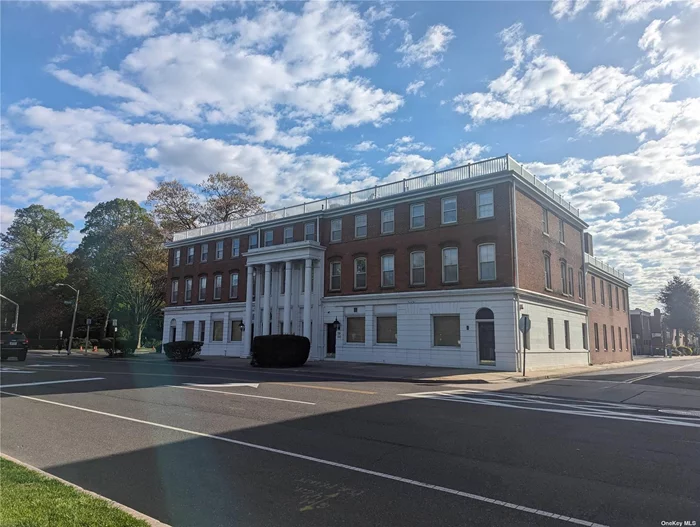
{"x":596,"y":338}
{"x":355,"y":329}
{"x":584,"y":334}
{"x":217,"y":331}
{"x":189,"y":330}
{"x":202,"y":333}
{"x":236,"y":333}
{"x":446,"y":330}
{"x":386,"y":330}
{"x":550,"y":332}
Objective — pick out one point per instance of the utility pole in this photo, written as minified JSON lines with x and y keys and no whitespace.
{"x":16,"y":312}
{"x":75,"y":310}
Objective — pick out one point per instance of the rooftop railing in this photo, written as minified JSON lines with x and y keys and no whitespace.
{"x":450,"y":175}
{"x":595,"y":262}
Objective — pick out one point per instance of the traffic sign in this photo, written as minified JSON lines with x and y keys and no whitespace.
{"x":88,"y":321}
{"x":114,"y":322}
{"x":524,"y":324}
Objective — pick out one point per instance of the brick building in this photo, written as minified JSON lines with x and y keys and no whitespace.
{"x":433,"y":270}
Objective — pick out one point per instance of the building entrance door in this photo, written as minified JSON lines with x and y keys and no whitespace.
{"x":330,"y":340}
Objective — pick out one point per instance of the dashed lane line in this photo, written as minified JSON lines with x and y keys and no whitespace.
{"x":382,"y":475}
{"x":62,"y":381}
{"x":243,"y":395}
{"x":321,"y":388}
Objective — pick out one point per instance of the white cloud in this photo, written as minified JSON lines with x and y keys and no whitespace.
{"x":462,"y":155}
{"x":83,"y":41}
{"x":414,"y":87}
{"x":379,"y":11}
{"x":625,"y":10}
{"x":673,"y":46}
{"x":7,"y":215}
{"x":407,"y":143}
{"x":567,"y":8}
{"x":364,"y":146}
{"x":139,"y":20}
{"x":428,"y":50}
{"x":412,"y":165}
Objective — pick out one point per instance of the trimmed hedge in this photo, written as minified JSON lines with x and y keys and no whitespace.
{"x":282,"y":351}
{"x":182,"y":349}
{"x":120,"y":345}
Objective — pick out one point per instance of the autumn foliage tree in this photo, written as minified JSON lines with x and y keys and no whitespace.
{"x":217,"y":199}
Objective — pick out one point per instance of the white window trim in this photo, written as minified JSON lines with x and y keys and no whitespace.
{"x":202,"y":252}
{"x":187,"y":257}
{"x":545,"y":221}
{"x":284,"y":234}
{"x":330,"y":274}
{"x":257,"y":241}
{"x":230,"y":282}
{"x":221,"y":287}
{"x":354,"y":278}
{"x":410,"y":220}
{"x":562,"y":236}
{"x":432,"y":330}
{"x":393,"y":269}
{"x":216,"y":250}
{"x":442,"y":210}
{"x":347,"y":342}
{"x":478,"y":257}
{"x":191,"y":282}
{"x":547,"y":260}
{"x":235,"y":251}
{"x":339,"y":231}
{"x":174,"y":291}
{"x":272,"y":238}
{"x":356,"y":225}
{"x":393,"y":221}
{"x":199,"y":289}
{"x":176,"y":257}
{"x":313,"y":229}
{"x":493,"y":204}
{"x":442,"y":263}
{"x":376,"y":331}
{"x":410,"y":265}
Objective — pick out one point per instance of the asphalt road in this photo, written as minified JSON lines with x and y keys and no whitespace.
{"x":208,"y":444}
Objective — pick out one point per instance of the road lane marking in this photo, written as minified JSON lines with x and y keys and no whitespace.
{"x":14,"y":370}
{"x":382,"y":475}
{"x":51,"y":382}
{"x":582,"y":408}
{"x":243,"y":395}
{"x":322,"y":388}
{"x":683,"y":377}
{"x":224,"y":385}
{"x":649,"y":376}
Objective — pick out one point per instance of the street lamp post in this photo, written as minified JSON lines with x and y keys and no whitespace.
{"x":75,"y":310}
{"x":16,"y":312}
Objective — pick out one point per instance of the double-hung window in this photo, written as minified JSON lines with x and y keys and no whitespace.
{"x":417,"y":216}
{"x":450,"y":259}
{"x":449,"y":210}
{"x":562,"y":268}
{"x":571,"y":282}
{"x":233,"y":286}
{"x":174,"y":286}
{"x":581,"y":283}
{"x":204,"y":252}
{"x":219,"y":250}
{"x":310,"y":231}
{"x":335,"y":276}
{"x":360,"y":273}
{"x":268,"y":238}
{"x":176,"y":257}
{"x":288,"y":234}
{"x":484,"y":204}
{"x":561,"y":230}
{"x":336,"y":229}
{"x":202,"y":294}
{"x":547,"y":272}
{"x":190,"y":255}
{"x":593,"y":290}
{"x":388,"y":221}
{"x":236,"y":247}
{"x":388,"y":270}
{"x":253,"y":241}
{"x":545,"y":221}
{"x":218,"y":280}
{"x":602,"y":293}
{"x":610,"y":295}
{"x":188,"y":290}
{"x":361,"y":226}
{"x":487,"y":261}
{"x":418,"y":268}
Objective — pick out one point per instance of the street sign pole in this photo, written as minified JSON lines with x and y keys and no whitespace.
{"x":524,"y":325}
{"x":87,"y":335}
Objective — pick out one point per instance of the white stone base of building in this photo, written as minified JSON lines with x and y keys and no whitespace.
{"x":416,"y":342}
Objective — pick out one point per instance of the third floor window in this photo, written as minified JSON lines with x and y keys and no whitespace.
{"x":449,"y":210}
{"x":310,"y":231}
{"x":176,"y":257}
{"x":336,"y":229}
{"x":268,"y":238}
{"x":387,"y":221}
{"x":253,"y":241}
{"x":190,"y":255}
{"x":547,"y":272}
{"x":545,"y":221}
{"x":361,"y":226}
{"x":288,"y":234}
{"x":204,"y":254}
{"x":219,"y":249}
{"x":417,"y":216}
{"x":236,"y":247}
{"x":593,"y":299}
{"x":484,"y":204}
{"x":561,"y":230}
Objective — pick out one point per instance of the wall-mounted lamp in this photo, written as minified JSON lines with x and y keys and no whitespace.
{"x":336,"y":324}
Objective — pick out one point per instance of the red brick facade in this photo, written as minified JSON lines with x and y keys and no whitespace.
{"x":608,"y":318}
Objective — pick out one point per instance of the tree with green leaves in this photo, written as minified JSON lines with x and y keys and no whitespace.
{"x":681,"y":303}
{"x":217,"y":199}
{"x":32,"y":261}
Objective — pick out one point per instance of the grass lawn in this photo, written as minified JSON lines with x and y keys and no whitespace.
{"x":29,"y":499}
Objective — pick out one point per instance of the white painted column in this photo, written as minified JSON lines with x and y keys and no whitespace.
{"x":248,"y":322}
{"x":287,"y":320}
{"x":307,"y":298}
{"x":265,"y":329}
{"x":258,"y":295}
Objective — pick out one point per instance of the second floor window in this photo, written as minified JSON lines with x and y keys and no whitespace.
{"x":176,"y":257}
{"x":288,"y":234}
{"x":417,"y":216}
{"x":596,"y":338}
{"x":545,"y":221}
{"x":593,"y":290}
{"x":484,"y":204}
{"x":449,"y":210}
{"x":336,"y":230}
{"x":188,"y":290}
{"x":217,"y":286}
{"x":610,"y":295}
{"x":335,"y":276}
{"x":253,"y":241}
{"x":602,"y":293}
{"x":581,"y":284}
{"x":202,"y":288}
{"x":174,"y":290}
{"x":310,"y":231}
{"x":219,"y":249}
{"x":605,"y":336}
{"x":450,"y":272}
{"x":624,"y":303}
{"x":233,"y":286}
{"x":561,"y":230}
{"x":268,"y":238}
{"x":361,"y":226}
{"x":571,"y":281}
{"x":360,"y":273}
{"x":547,"y":272}
{"x":236,"y":247}
{"x":562,"y":268}
{"x":387,"y":221}
{"x":487,"y":261}
{"x":190,"y":255}
{"x":418,"y":268}
{"x":617,"y":298}
{"x":388,"y":270}
{"x":204,"y":253}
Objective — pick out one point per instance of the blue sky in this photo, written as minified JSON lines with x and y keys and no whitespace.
{"x":602,"y":100}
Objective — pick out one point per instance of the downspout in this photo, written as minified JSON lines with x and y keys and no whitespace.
{"x":514,"y":246}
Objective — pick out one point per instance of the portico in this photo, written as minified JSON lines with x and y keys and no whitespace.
{"x":287,"y":278}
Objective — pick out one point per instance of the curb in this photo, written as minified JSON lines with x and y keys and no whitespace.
{"x":136,"y":514}
{"x":601,"y":367}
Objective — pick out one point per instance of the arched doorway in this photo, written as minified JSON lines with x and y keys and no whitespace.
{"x":173,"y":330}
{"x":485,"y":337}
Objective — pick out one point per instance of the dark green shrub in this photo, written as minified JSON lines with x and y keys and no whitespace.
{"x":282,"y":351}
{"x":182,"y":349}
{"x":120,"y":345}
